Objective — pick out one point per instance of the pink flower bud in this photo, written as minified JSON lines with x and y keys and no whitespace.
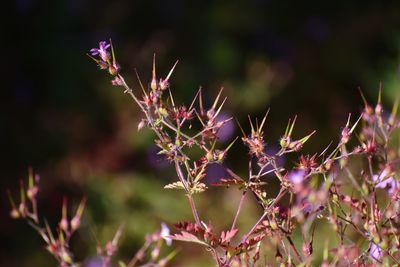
{"x":164,"y":84}
{"x":32,"y":192}
{"x":117,"y":81}
{"x":110,"y":249}
{"x":14,"y":214}
{"x":22,"y":209}
{"x":64,"y":224}
{"x":155,"y":253}
{"x":113,"y":69}
{"x":75,"y":223}
{"x":141,"y":124}
{"x":102,"y":65}
{"x":153,"y":84}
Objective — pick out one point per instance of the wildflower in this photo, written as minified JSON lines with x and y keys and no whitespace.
{"x":383,"y":181}
{"x":375,"y":252}
{"x":296,"y":177}
{"x":101,"y":51}
{"x":165,"y":234}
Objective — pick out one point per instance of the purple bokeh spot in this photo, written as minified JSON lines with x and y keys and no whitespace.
{"x":296,"y":177}
{"x":226,"y":132}
{"x":214,"y":173}
{"x":94,"y":262}
{"x":156,"y":160}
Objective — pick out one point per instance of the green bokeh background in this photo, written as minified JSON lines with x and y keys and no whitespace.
{"x":61,"y":115}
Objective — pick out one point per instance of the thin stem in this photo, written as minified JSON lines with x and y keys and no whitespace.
{"x":139,"y":254}
{"x":194,"y":210}
{"x":181,"y":177}
{"x":130,"y":92}
{"x":188,"y":193}
{"x":215,"y":254}
{"x":278,"y":197}
{"x":254,"y":226}
{"x":34,"y":211}
{"x":176,"y":130}
{"x":238,"y":209}
{"x":294,"y":248}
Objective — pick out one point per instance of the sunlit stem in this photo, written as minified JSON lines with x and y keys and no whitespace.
{"x":188,"y":193}
{"x":238,"y":209}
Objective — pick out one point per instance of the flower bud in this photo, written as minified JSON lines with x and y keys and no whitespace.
{"x":378,"y":110}
{"x":155,"y":253}
{"x":64,"y":224}
{"x":368,"y":110}
{"x":75,"y":223}
{"x":65,"y":256}
{"x":163,"y":112}
{"x":102,"y":65}
{"x":153,"y":84}
{"x":153,"y":97}
{"x":343,"y":162}
{"x":162,"y":262}
{"x":117,"y":81}
{"x":210,"y":114}
{"x":284,"y":142}
{"x":345,"y":135}
{"x":328,"y":164}
{"x":164,"y":84}
{"x":32,"y":191}
{"x":273,"y":225}
{"x":141,"y":124}
{"x":14,"y":213}
{"x":22,"y":209}
{"x":113,"y":69}
{"x":110,"y":249}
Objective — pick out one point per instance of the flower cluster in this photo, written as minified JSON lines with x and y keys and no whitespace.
{"x":349,"y":190}
{"x":57,"y":241}
{"x":317,"y":186}
{"x":105,"y":60}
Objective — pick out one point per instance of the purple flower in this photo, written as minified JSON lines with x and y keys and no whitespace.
{"x":384,"y":180}
{"x":296,"y":177}
{"x":375,"y":252}
{"x":165,"y":234}
{"x":101,"y":51}
{"x":94,"y":262}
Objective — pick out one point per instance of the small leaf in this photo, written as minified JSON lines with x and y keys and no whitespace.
{"x":198,"y":188}
{"x":176,"y":185}
{"x":228,"y":235}
{"x":187,"y":237}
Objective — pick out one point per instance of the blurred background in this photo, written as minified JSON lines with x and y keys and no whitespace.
{"x":60,"y":114}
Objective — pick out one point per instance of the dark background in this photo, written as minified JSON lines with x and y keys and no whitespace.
{"x":60,"y":114}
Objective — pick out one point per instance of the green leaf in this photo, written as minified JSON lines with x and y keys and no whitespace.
{"x":176,"y":185}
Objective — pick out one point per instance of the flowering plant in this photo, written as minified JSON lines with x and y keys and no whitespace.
{"x":351,"y":190}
